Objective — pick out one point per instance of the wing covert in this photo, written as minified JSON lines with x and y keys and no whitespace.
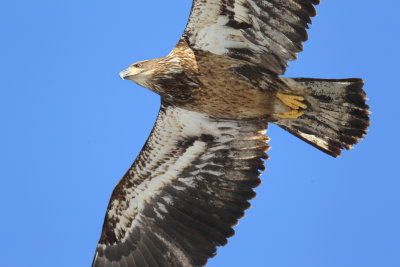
{"x":268,"y":33}
{"x":189,"y":185}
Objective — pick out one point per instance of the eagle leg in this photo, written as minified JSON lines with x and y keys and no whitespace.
{"x":294,"y":103}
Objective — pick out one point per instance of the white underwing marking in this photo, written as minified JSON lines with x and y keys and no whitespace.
{"x":162,"y":207}
{"x":183,"y":260}
{"x":188,"y":181}
{"x":179,"y":188}
{"x":173,"y":126}
{"x":314,"y":139}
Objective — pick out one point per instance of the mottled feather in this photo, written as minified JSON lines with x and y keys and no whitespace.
{"x":265,"y":33}
{"x":187,"y":188}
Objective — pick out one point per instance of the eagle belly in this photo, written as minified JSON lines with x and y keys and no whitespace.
{"x":223,"y":92}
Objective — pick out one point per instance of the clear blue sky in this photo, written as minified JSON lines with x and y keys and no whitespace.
{"x":70,"y":128}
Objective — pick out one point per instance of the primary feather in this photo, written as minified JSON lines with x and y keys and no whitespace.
{"x":267,"y":33}
{"x":187,"y":188}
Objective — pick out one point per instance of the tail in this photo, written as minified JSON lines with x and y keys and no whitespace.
{"x":336,"y":117}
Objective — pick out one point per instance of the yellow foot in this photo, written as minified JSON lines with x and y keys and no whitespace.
{"x":292,"y":101}
{"x":292,"y":114}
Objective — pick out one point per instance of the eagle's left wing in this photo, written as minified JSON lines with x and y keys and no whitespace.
{"x":187,"y":188}
{"x":267,"y":33}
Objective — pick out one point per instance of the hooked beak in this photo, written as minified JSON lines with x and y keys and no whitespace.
{"x":125,"y":73}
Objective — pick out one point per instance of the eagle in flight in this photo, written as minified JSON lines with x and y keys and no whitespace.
{"x":220,"y":87}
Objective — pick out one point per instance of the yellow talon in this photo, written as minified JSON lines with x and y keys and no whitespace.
{"x":292,"y":101}
{"x":292,"y":114}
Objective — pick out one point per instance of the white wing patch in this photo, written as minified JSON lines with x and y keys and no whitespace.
{"x":314,"y":139}
{"x":267,"y":33}
{"x":148,"y":189}
{"x":187,"y":188}
{"x":214,"y":36}
{"x":162,"y":142}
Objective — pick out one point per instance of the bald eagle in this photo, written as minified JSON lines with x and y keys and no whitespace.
{"x":220,"y":87}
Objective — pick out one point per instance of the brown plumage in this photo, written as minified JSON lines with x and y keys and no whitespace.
{"x":219,"y":89}
{"x":226,"y":87}
{"x":211,"y":84}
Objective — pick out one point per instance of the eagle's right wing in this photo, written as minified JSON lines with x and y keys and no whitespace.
{"x":266,"y":33}
{"x":187,"y":188}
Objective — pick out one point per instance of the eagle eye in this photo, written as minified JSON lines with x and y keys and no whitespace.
{"x":138,"y":65}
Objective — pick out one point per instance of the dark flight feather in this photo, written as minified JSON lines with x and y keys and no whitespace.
{"x":266,"y":33}
{"x":183,"y":200}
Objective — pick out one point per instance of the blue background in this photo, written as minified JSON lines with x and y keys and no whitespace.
{"x":70,"y":128}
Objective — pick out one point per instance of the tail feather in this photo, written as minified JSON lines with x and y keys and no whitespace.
{"x":336,"y":117}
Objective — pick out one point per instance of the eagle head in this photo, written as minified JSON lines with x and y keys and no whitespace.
{"x":140,"y":72}
{"x":164,"y":76}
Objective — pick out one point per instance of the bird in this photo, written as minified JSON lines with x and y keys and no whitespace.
{"x":220,"y":87}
